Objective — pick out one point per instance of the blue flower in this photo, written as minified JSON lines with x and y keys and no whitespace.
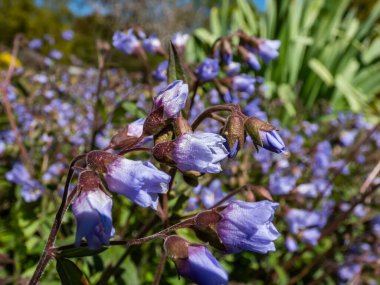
{"x":139,"y":181}
{"x":172,"y":98}
{"x":55,"y":54}
{"x":179,"y":40}
{"x":248,"y":226}
{"x":233,"y":68}
{"x":272,"y":141}
{"x":160,"y":73}
{"x":253,"y":62}
{"x":348,"y":271}
{"x":291,"y":244}
{"x":93,"y":213}
{"x":67,"y":35}
{"x":243,"y":83}
{"x":268,"y":49}
{"x":208,"y":69}
{"x":199,"y":152}
{"x":31,"y":189}
{"x":152,"y":44}
{"x":125,"y":42}
{"x":201,"y":267}
{"x":35,"y":44}
{"x":211,"y":194}
{"x":322,"y":159}
{"x":281,"y":184}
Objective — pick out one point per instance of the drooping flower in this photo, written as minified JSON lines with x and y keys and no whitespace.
{"x":280,"y":184}
{"x":195,"y":262}
{"x":126,"y":42}
{"x":268,"y":49}
{"x":208,"y":69}
{"x":193,"y":152}
{"x":272,"y":141}
{"x":248,"y":226}
{"x":233,"y":68}
{"x":322,"y":159}
{"x":291,"y":244}
{"x":172,"y":98}
{"x":139,"y":181}
{"x":160,"y":73}
{"x":92,"y":211}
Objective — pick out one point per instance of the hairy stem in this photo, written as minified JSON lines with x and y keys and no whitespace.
{"x":207,"y":113}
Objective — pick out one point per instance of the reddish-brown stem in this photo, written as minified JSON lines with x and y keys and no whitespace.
{"x":48,"y":252}
{"x":160,"y":268}
{"x":206,"y":113}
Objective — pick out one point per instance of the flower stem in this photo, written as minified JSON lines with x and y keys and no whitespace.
{"x":49,"y":251}
{"x":208,"y":112}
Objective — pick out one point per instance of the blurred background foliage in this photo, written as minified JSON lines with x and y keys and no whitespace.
{"x":329,"y":54}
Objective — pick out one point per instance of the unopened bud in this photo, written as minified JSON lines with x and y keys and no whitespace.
{"x":176,"y":247}
{"x":234,"y":134}
{"x":98,"y":160}
{"x":155,"y":122}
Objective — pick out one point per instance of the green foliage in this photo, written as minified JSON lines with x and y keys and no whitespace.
{"x":327,"y":53}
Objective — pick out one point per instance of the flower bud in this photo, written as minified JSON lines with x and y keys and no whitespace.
{"x":126,"y":42}
{"x":263,"y":134}
{"x":234,"y":134}
{"x":155,"y":122}
{"x":176,"y":247}
{"x":208,"y":69}
{"x":249,"y":58}
{"x":226,"y":51}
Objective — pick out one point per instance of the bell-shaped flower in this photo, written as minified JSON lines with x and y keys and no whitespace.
{"x":208,"y":69}
{"x":172,"y":98}
{"x":93,"y":212}
{"x":139,"y":181}
{"x":253,"y":62}
{"x":195,"y":262}
{"x":248,"y":226}
{"x":152,"y":45}
{"x":200,"y":152}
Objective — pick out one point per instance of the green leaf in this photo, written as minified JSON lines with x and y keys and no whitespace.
{"x":322,"y":72}
{"x":80,"y":252}
{"x":214,"y":22}
{"x":205,"y":36}
{"x":70,"y":274}
{"x":372,"y":52}
{"x":354,"y":97}
{"x":175,"y":69}
{"x":288,"y":97}
{"x":131,"y":108}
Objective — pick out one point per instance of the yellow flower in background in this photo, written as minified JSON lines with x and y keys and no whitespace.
{"x":5,"y":60}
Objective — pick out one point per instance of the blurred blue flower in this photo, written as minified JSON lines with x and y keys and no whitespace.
{"x":310,"y":128}
{"x":139,"y":181}
{"x":321,"y":162}
{"x":248,"y":226}
{"x":67,"y":35}
{"x":31,"y":189}
{"x":160,"y":73}
{"x":179,"y":40}
{"x":211,"y":194}
{"x":348,"y":271}
{"x":281,"y":184}
{"x":268,"y":49}
{"x":152,"y":44}
{"x":233,"y":68}
{"x":93,"y":213}
{"x":347,"y":138}
{"x":243,"y":83}
{"x":125,"y":42}
{"x":54,"y":173}
{"x":201,"y":267}
{"x":253,"y":62}
{"x":55,"y":54}
{"x":172,"y":98}
{"x":208,"y":69}
{"x":199,"y":152}
{"x":291,"y":244}
{"x":35,"y":44}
